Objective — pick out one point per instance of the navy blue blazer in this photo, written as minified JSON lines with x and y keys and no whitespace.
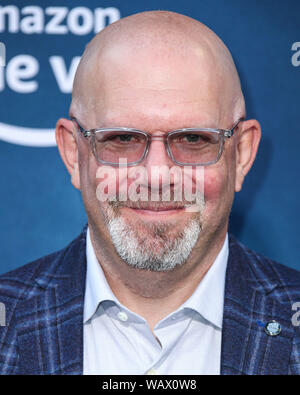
{"x":44,"y":314}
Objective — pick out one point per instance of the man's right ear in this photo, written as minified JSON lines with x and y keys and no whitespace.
{"x":68,"y":148}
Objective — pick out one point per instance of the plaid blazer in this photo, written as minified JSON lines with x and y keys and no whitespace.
{"x":44,"y":314}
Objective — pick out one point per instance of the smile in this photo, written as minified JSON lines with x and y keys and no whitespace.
{"x":156,"y":210}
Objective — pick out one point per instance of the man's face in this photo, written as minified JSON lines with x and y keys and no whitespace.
{"x":161,"y":93}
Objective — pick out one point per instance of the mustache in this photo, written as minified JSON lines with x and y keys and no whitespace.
{"x":159,"y":205}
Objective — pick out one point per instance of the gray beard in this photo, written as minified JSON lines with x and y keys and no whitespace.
{"x":156,"y":253}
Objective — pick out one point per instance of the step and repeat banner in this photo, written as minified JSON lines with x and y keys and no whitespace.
{"x":40,"y":47}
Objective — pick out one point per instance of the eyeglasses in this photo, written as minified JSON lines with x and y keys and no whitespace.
{"x":185,"y":147}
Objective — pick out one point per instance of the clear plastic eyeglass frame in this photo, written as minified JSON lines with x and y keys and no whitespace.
{"x":222,"y":134}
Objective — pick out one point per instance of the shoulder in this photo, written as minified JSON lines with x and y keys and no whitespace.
{"x":264,"y":272}
{"x":21,"y":282}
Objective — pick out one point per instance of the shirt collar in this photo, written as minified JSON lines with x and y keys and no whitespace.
{"x":97,"y":288}
{"x":207,"y":299}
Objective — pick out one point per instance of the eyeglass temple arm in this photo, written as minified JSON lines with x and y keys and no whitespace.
{"x":86,"y":133}
{"x":229,"y":133}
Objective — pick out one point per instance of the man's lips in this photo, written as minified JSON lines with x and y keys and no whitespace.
{"x":156,"y":208}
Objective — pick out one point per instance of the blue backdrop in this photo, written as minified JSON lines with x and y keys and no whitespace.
{"x":40,"y":210}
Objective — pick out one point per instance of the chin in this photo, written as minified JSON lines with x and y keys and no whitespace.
{"x":153,"y":246}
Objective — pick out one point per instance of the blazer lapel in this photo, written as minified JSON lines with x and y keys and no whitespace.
{"x":50,"y":323}
{"x":248,"y":307}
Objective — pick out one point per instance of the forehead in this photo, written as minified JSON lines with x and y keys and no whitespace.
{"x":156,"y":88}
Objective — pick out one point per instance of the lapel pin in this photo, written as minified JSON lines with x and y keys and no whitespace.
{"x":272,"y":328}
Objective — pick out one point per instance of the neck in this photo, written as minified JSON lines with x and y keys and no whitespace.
{"x":154,"y":295}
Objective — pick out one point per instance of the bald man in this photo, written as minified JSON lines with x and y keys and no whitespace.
{"x":158,"y":143}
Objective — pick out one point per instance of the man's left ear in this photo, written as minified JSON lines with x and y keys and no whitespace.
{"x":247,"y":143}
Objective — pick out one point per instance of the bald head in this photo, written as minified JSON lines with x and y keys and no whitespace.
{"x":156,"y":54}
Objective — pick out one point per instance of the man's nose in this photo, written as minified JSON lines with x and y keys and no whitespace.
{"x":157,"y":164}
{"x":157,"y":153}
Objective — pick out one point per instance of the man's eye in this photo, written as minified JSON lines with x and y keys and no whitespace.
{"x":195,"y":138}
{"x":125,"y":137}
{"x":121,"y":138}
{"x":192,"y":138}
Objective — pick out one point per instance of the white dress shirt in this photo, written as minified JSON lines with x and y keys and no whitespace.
{"x":118,"y":341}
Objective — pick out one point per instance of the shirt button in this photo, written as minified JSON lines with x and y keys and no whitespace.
{"x":122,"y":316}
{"x":151,"y":371}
